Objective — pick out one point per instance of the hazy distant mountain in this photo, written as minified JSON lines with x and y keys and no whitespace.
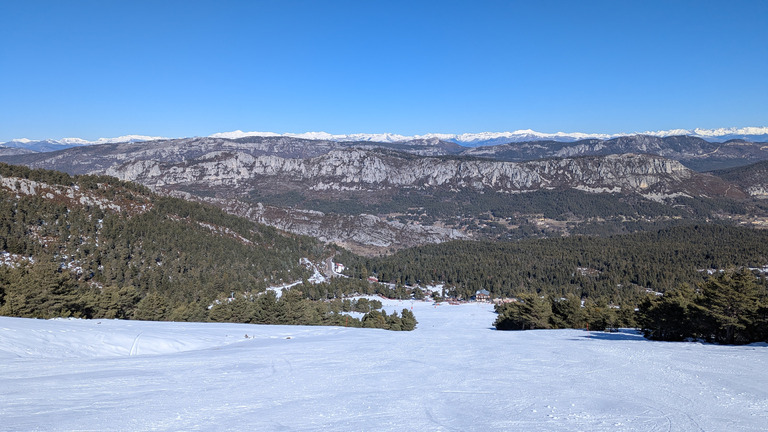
{"x":11,"y":151}
{"x":696,"y":153}
{"x":752,"y":134}
{"x":493,"y":138}
{"x":752,"y":178}
{"x":49,"y":145}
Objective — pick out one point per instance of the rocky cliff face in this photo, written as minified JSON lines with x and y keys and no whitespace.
{"x":238,"y":174}
{"x":372,"y":171}
{"x":693,"y":152}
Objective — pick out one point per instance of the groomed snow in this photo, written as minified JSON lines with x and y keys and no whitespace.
{"x":454,"y":373}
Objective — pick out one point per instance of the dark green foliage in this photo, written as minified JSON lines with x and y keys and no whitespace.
{"x":187,"y":252}
{"x":480,"y":213}
{"x":567,"y":312}
{"x":600,"y":316}
{"x":293,"y":308}
{"x":670,"y":317}
{"x":729,"y":309}
{"x":408,"y":320}
{"x":531,"y":311}
{"x":732,"y":306}
{"x":617,"y":268}
{"x":119,"y":303}
{"x":137,"y":255}
{"x":44,"y":291}
{"x":153,"y":307}
{"x":556,"y":204}
{"x":527,"y":313}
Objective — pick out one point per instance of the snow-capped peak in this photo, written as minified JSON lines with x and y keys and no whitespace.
{"x":491,"y":138}
{"x":384,"y":137}
{"x":240,"y":134}
{"x":755,"y":134}
{"x":63,"y":143}
{"x":732,"y":131}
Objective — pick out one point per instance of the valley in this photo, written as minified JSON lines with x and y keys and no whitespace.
{"x":377,"y":198}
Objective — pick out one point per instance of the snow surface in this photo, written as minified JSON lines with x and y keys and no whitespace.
{"x":453,"y":373}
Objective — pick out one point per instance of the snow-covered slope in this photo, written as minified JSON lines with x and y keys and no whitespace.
{"x":452,"y":373}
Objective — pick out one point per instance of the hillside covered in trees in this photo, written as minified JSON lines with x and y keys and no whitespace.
{"x":670,"y":282}
{"x":94,"y":246}
{"x":618,"y":269}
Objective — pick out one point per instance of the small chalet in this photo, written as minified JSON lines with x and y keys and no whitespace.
{"x":483,"y":296}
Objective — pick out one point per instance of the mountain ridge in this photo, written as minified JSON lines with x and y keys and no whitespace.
{"x":751,"y":133}
{"x":395,"y":195}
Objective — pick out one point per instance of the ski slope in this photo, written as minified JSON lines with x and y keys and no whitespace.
{"x":453,"y":373}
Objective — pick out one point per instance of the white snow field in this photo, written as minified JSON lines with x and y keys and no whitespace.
{"x":453,"y":373}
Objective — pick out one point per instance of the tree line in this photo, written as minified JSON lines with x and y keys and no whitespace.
{"x":617,"y":269}
{"x":530,"y":311}
{"x":731,"y":308}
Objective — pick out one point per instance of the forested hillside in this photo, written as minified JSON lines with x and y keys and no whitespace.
{"x":94,"y":246}
{"x":618,"y":269}
{"x":379,"y":198}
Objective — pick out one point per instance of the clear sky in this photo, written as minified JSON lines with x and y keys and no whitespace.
{"x":102,"y":68}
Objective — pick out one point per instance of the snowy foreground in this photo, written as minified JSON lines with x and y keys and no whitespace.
{"x":454,"y":373}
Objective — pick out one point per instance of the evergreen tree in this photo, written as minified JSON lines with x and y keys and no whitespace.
{"x":671,"y":317}
{"x":527,"y":313}
{"x":408,"y":320}
{"x":153,"y":307}
{"x":732,"y":304}
{"x":567,"y":312}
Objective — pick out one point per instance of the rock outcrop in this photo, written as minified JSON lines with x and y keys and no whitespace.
{"x":372,"y":171}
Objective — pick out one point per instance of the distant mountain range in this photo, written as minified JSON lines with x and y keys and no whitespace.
{"x":378,"y":197}
{"x":752,"y":134}
{"x":494,"y":138}
{"x":695,"y":153}
{"x":48,"y":145}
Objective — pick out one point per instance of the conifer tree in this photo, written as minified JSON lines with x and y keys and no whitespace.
{"x":671,"y":317}
{"x":529,"y":312}
{"x":732,"y":304}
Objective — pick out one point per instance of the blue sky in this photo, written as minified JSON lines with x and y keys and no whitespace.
{"x":95,"y":69}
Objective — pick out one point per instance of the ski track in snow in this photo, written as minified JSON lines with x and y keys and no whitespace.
{"x":453,"y":373}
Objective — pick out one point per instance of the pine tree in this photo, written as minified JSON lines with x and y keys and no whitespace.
{"x":732,"y":304}
{"x":408,"y":320}
{"x":529,"y":312}
{"x":153,"y":307}
{"x":671,"y":317}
